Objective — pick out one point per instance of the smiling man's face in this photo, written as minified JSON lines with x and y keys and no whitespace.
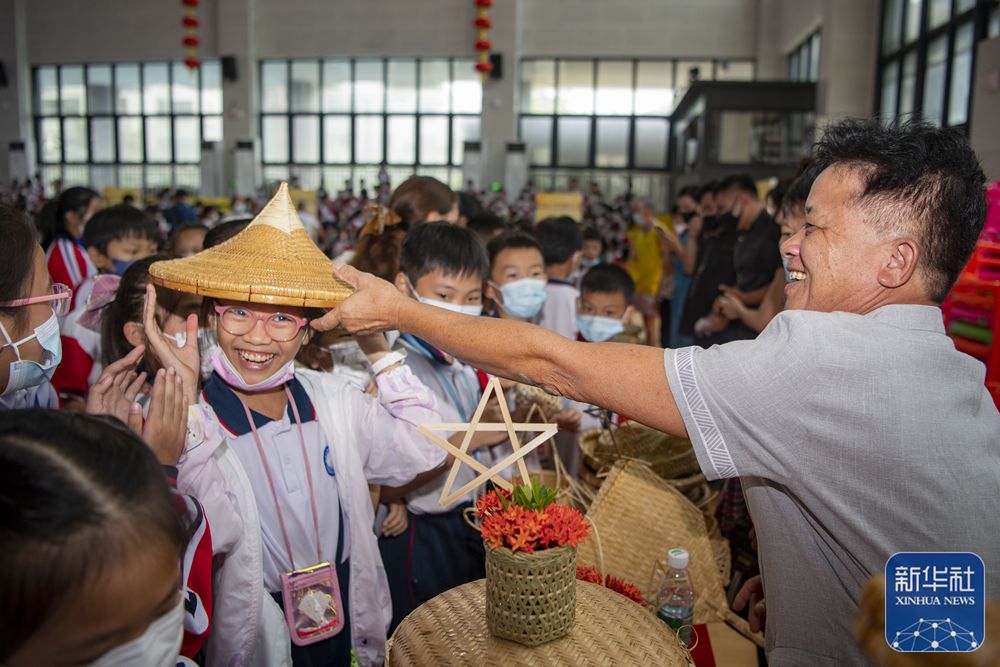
{"x":839,"y":253}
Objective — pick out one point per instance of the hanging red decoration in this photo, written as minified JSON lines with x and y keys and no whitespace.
{"x":483,"y":45}
{"x":190,"y":40}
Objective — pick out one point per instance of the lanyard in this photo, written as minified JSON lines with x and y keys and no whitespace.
{"x":270,"y":479}
{"x":446,"y":381}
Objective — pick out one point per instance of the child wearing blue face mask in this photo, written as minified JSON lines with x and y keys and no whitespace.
{"x":517,"y":278}
{"x":30,"y":349}
{"x":442,"y":265}
{"x":606,"y":292}
{"x":115,"y":237}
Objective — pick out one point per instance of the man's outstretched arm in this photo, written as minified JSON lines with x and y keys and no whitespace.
{"x":628,"y":379}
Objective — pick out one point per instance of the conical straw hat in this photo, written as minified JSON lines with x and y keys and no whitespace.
{"x":272,"y":261}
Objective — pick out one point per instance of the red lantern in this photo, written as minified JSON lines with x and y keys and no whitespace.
{"x":193,"y":63}
{"x":484,"y":45}
{"x":484,"y":3}
{"x":189,"y":3}
{"x":189,"y":22}
{"x":484,"y":67}
{"x":190,"y":41}
{"x":483,"y":22}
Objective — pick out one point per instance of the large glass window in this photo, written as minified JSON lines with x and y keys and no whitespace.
{"x":609,"y":113}
{"x":360,"y":112}
{"x":927,"y":60}
{"x":803,"y":61}
{"x":126,"y":113}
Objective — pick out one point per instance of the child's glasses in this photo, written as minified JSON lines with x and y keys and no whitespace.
{"x":280,"y":327}
{"x":60,"y":295}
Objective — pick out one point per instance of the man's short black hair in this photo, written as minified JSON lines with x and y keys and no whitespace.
{"x":916,"y":179}
{"x":512,"y":239}
{"x":469,"y":205}
{"x":591,"y":233}
{"x":710,"y":188}
{"x":794,"y":199}
{"x":608,"y":279}
{"x":441,"y":245}
{"x":741,"y":182}
{"x":560,"y":238}
{"x":485,"y":225}
{"x":115,"y":223}
{"x":692,"y":191}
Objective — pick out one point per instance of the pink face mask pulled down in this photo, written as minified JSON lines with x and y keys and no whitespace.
{"x":232,"y":377}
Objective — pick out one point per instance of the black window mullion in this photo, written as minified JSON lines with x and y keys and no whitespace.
{"x":385,"y":114}
{"x":353,"y":119}
{"x":554,"y":138}
{"x":288,"y":117}
{"x":630,"y":148}
{"x":416,"y":128}
{"x":170,"y":112}
{"x":142,"y":122}
{"x":59,"y":112}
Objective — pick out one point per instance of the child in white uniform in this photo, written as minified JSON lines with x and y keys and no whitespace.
{"x":293,"y":451}
{"x":443,"y":265}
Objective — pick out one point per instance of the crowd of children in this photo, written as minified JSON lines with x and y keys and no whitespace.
{"x":293,"y":517}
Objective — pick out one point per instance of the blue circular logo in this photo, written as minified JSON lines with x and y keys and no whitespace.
{"x":328,"y":461}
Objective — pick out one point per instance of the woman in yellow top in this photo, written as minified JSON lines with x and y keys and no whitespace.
{"x":650,"y":248}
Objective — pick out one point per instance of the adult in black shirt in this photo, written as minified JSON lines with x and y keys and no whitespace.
{"x":755,"y":252}
{"x":712,"y":241}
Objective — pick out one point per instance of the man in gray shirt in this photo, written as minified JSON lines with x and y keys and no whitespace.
{"x":857,"y":428}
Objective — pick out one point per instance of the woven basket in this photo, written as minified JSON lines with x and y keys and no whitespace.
{"x":530,"y":598}
{"x":669,"y":457}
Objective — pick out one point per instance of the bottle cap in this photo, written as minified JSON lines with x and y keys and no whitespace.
{"x":677,"y":559}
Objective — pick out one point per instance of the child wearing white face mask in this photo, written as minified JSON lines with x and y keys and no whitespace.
{"x":81,"y":492}
{"x":442,"y":265}
{"x":30,"y":304}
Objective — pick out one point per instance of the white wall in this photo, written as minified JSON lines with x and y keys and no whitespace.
{"x":712,"y":28}
{"x":310,"y":28}
{"x":113,"y":30}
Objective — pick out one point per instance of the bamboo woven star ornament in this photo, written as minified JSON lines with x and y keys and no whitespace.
{"x":461,"y":453}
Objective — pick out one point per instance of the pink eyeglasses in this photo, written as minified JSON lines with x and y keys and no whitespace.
{"x":239,"y":321}
{"x":61,"y":296}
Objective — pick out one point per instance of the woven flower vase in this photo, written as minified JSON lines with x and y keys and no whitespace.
{"x":530,"y":598}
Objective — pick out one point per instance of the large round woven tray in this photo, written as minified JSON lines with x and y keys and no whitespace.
{"x":610,"y":629}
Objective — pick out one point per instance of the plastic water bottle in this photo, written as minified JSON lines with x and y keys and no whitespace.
{"x":675,"y":602}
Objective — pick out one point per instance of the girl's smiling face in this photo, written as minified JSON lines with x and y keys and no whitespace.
{"x":256,"y":355}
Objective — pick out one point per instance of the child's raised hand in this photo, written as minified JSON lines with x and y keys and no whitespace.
{"x":184,"y":360}
{"x":115,"y":391}
{"x":569,"y":420}
{"x":165,"y":427}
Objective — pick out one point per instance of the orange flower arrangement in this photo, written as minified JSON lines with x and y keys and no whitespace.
{"x":593,"y":575}
{"x":528,"y":520}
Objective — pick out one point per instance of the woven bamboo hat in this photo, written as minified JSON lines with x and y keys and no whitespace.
{"x":272,"y":261}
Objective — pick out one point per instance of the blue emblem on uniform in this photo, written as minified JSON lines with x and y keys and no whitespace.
{"x":328,"y":461}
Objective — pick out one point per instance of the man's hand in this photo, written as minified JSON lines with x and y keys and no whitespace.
{"x":730,"y":307}
{"x":752,"y":592}
{"x":115,"y":391}
{"x":373,"y":307}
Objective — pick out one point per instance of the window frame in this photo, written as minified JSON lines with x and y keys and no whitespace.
{"x":594,"y":117}
{"x":978,"y":16}
{"x":353,"y":113}
{"x":116,"y":114}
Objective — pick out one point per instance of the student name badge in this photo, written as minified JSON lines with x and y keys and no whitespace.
{"x":313,"y":606}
